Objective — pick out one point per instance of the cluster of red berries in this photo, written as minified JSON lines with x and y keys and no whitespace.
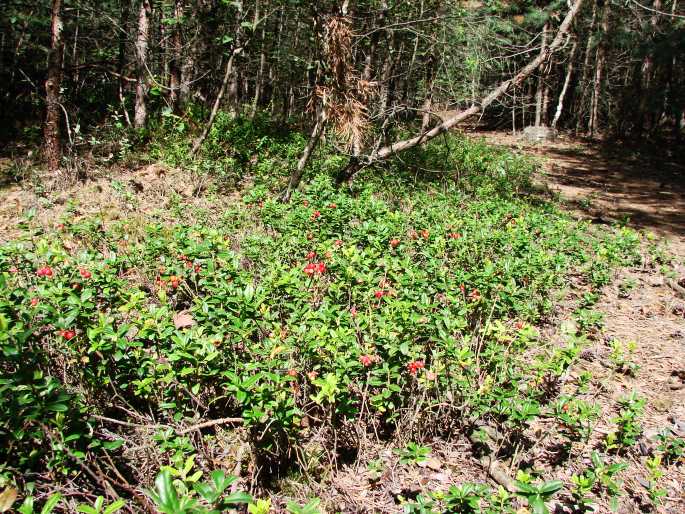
{"x":189,"y":264}
{"x":67,"y":334}
{"x":45,"y":271}
{"x":174,"y":281}
{"x":414,"y":366}
{"x":316,"y":215}
{"x":85,"y":273}
{"x":315,"y":267}
{"x":368,"y":360}
{"x":475,"y":295}
{"x":455,"y":235}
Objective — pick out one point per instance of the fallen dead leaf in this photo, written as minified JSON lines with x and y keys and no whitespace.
{"x":183,"y":319}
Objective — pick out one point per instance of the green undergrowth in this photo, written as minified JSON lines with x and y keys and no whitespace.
{"x":394,"y":300}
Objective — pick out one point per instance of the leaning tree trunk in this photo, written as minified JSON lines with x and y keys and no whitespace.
{"x":53,"y":145}
{"x":217,"y":102}
{"x":385,"y":152}
{"x":567,"y":81}
{"x":142,"y":86}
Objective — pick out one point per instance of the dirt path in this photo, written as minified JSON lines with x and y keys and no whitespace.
{"x":612,"y":182}
{"x":644,"y":317}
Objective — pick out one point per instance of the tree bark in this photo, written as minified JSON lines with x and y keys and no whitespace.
{"x":53,"y":144}
{"x":297,"y":174}
{"x":599,"y":70}
{"x":567,"y":81}
{"x":217,"y":102}
{"x":399,"y":146}
{"x":175,"y":62}
{"x":539,"y":95}
{"x":142,"y":86}
{"x":586,"y":72}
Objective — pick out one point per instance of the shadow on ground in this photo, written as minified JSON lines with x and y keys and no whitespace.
{"x":612,"y":182}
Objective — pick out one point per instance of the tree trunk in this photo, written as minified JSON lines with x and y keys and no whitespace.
{"x":142,"y":86}
{"x":529,"y":69}
{"x":599,"y":70}
{"x":217,"y":103}
{"x":121,"y":59}
{"x":53,"y":144}
{"x":539,"y":95}
{"x":262,"y":66}
{"x":297,"y":174}
{"x":567,"y":82}
{"x":646,"y":74}
{"x":175,"y":62}
{"x":586,"y":71}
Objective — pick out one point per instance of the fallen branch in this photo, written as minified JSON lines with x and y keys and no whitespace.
{"x":679,"y":290}
{"x":179,"y":431}
{"x":381,"y":154}
{"x":211,"y":423}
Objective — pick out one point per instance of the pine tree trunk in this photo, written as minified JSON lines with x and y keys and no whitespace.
{"x":175,"y":62}
{"x":580,"y":114}
{"x":142,"y":86}
{"x":539,"y":95}
{"x":599,"y":70}
{"x":53,"y":144}
{"x":567,"y":81}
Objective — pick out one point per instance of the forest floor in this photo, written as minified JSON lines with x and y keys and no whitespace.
{"x":643,"y":320}
{"x":640,"y":347}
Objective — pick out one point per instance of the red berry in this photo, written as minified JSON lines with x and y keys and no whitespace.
{"x":475,"y":295}
{"x":321,"y":268}
{"x":455,"y":235}
{"x":316,"y":215}
{"x":311,"y":256}
{"x":332,"y":206}
{"x":292,"y":372}
{"x":305,"y":203}
{"x":85,"y":273}
{"x":353,"y":311}
{"x":366,"y":360}
{"x":415,"y":366}
{"x":312,"y":375}
{"x":379,"y":294}
{"x":519,"y":325}
{"x":425,"y":234}
{"x":34,"y":302}
{"x":394,"y":243}
{"x":67,"y":334}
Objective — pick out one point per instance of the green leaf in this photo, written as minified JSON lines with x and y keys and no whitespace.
{"x":538,"y":505}
{"x":237,"y":498}
{"x":168,"y":496}
{"x":51,"y":503}
{"x":114,"y":507}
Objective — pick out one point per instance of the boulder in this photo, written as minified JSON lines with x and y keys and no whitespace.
{"x":539,"y":134}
